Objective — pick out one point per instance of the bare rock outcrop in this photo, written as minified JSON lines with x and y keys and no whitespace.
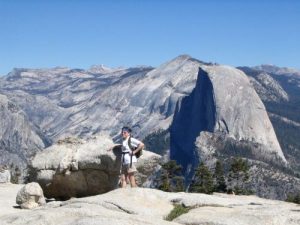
{"x":268,"y":88}
{"x":30,"y":196}
{"x":76,"y":167}
{"x":148,"y":206}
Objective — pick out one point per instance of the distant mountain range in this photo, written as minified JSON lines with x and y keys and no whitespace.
{"x":199,"y":105}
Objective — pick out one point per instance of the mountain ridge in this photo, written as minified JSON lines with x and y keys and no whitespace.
{"x":73,"y":102}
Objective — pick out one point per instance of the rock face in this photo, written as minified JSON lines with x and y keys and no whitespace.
{"x":239,"y":111}
{"x":148,"y":206}
{"x":223,"y":103}
{"x":30,"y":196}
{"x":268,"y":89}
{"x":71,"y":102}
{"x":4,"y":176}
{"x":77,"y":167}
{"x":67,"y":102}
{"x":284,"y":112}
{"x":20,"y":139}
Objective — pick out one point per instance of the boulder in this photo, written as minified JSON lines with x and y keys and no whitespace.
{"x":77,"y":168}
{"x":30,"y":196}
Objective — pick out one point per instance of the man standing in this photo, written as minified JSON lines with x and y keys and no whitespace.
{"x":130,"y":146}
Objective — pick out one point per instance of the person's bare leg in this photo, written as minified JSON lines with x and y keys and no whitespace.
{"x":132,"y":180}
{"x":127,"y":179}
{"x":123,"y":181}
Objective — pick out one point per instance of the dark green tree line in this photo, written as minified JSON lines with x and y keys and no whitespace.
{"x":171,"y":179}
{"x":203,"y":180}
{"x":220,"y":183}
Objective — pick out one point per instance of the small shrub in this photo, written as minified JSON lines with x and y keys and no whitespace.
{"x":295,"y":198}
{"x":177,"y":211}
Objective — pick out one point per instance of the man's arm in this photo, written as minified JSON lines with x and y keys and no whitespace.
{"x":139,"y":148}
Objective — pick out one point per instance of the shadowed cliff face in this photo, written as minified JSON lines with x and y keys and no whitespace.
{"x":193,"y":114}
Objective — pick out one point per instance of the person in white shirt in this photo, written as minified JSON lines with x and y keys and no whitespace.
{"x":130,"y":146}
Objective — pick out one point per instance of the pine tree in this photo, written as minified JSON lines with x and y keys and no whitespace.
{"x":238,"y":176}
{"x":15,"y":174}
{"x":220,"y":184}
{"x":171,"y":179}
{"x":165,"y":182}
{"x":179,"y":183}
{"x":293,"y":198}
{"x":203,"y":181}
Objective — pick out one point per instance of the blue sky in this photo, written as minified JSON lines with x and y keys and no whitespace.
{"x":78,"y":34}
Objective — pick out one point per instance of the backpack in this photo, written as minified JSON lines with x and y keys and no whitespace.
{"x":139,"y":153}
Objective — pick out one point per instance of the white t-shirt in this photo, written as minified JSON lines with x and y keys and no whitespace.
{"x":125,"y":148}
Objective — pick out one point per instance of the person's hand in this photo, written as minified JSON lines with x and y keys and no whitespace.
{"x":115,"y":147}
{"x":131,"y":153}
